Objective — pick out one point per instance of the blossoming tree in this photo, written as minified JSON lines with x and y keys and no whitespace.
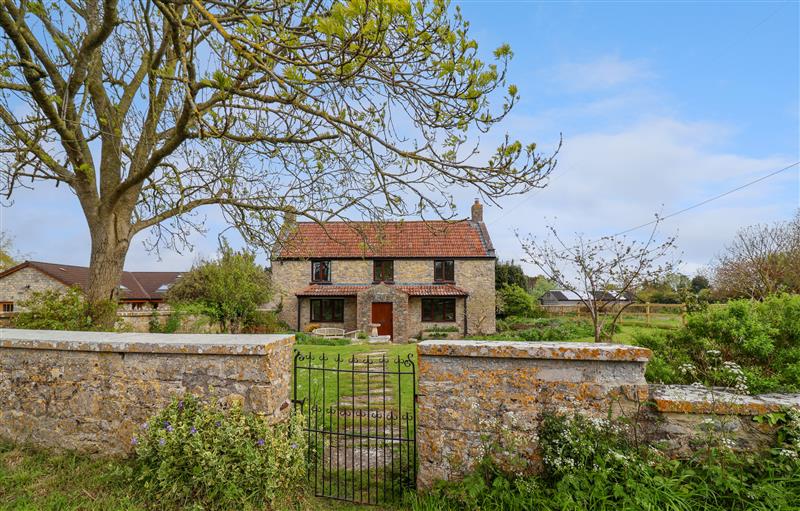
{"x":148,"y":110}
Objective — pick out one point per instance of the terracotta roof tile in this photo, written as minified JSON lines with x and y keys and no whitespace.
{"x":461,"y":238}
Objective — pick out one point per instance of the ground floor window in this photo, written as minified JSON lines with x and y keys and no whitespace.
{"x":8,"y":306}
{"x":329,"y":310}
{"x":438,"y":309}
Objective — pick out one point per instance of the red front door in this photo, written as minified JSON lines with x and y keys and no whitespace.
{"x":382,"y":313}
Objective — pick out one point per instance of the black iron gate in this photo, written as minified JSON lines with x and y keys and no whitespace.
{"x":360,"y":418}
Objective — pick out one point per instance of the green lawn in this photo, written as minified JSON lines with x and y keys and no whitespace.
{"x":340,"y":386}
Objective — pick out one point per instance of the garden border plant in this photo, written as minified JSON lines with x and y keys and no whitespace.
{"x":218,"y":456}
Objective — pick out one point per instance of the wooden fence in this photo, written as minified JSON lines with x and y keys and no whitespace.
{"x":648,"y":313}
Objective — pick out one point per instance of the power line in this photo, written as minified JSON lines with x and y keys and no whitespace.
{"x":711,"y":199}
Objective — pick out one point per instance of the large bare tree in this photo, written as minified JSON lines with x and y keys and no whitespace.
{"x":150,"y":109}
{"x":760,"y":260}
{"x":604,"y":273}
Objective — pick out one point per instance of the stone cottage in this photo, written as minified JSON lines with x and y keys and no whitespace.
{"x":404,"y":276}
{"x":139,"y":290}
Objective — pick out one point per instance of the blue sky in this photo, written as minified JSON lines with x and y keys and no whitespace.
{"x":661,"y":106}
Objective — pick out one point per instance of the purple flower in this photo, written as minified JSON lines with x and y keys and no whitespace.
{"x":166,"y":424}
{"x":134,"y":441}
{"x":294,"y":446}
{"x":193,"y":431}
{"x":162,"y":442}
{"x":180,"y":404}
{"x":260,"y":442}
{"x":145,"y":425}
{"x":218,"y":424}
{"x":170,"y":429}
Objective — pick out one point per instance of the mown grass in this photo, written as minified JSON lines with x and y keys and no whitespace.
{"x":309,"y":384}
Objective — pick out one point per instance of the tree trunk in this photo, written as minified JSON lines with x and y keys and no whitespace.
{"x":109,"y":249}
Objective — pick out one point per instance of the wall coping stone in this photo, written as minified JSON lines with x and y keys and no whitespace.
{"x":131,"y":342}
{"x":691,"y":399}
{"x":582,"y":351}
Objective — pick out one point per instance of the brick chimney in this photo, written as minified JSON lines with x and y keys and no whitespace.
{"x":477,"y":211}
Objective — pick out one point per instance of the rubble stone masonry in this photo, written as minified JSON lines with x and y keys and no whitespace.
{"x":475,"y":276}
{"x":20,"y":285}
{"x":476,"y":394}
{"x":91,"y":391}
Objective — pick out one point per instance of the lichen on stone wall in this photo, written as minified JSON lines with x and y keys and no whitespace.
{"x":90,"y":391}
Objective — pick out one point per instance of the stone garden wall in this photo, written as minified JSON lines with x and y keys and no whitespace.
{"x":90,"y":391}
{"x":475,"y":394}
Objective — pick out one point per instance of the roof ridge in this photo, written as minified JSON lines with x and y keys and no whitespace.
{"x":378,"y":222}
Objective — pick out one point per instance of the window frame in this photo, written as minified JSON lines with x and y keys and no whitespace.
{"x":444,"y":264}
{"x":315,"y":262}
{"x":337,"y":313}
{"x":437,"y":305}
{"x":376,"y":263}
{"x":7,"y":306}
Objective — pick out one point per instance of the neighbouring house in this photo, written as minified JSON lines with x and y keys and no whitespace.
{"x":139,"y":290}
{"x":404,"y":276}
{"x":564,"y":297}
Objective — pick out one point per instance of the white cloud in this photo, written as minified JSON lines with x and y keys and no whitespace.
{"x":604,"y":72}
{"x":608,"y":182}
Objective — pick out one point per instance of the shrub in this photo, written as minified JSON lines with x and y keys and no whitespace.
{"x":763,"y":338}
{"x":540,"y":329}
{"x":184,"y":317}
{"x":230,"y":289}
{"x":265,"y":322}
{"x":441,"y":329}
{"x":591,"y":464}
{"x":311,"y":327}
{"x":55,"y":310}
{"x":214,"y":457}
{"x":516,"y":302}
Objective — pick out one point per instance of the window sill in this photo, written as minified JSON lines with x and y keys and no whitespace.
{"x":387,"y":282}
{"x":321,"y":282}
{"x":444,"y":281}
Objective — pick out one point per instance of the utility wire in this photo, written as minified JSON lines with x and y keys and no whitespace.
{"x":684,"y":210}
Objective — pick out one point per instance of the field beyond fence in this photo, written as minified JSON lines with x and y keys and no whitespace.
{"x":641,"y":314}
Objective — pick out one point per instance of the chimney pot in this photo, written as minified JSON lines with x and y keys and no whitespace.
{"x":477,"y":211}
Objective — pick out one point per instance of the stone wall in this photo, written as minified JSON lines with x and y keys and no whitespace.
{"x":476,"y":276}
{"x":415,"y":323}
{"x":19,"y":286}
{"x":474,"y":393}
{"x":90,"y":391}
{"x":349,"y":324}
{"x":384,"y":293}
{"x":681,"y":415}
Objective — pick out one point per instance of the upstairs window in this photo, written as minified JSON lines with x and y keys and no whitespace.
{"x":8,"y":306}
{"x":321,"y":271}
{"x":444,"y":270}
{"x":383,"y":270}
